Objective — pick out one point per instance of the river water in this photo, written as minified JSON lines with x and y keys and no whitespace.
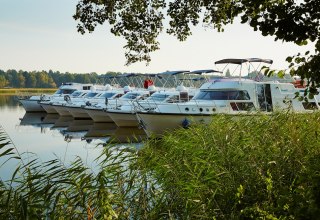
{"x":52,"y":137}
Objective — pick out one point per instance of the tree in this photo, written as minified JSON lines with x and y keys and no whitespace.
{"x":3,"y":81}
{"x":140,"y":22}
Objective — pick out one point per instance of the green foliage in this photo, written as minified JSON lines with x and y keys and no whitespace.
{"x":43,"y":79}
{"x":263,"y":167}
{"x":54,"y":190}
{"x":141,"y":22}
{"x":3,"y":81}
{"x":257,"y":167}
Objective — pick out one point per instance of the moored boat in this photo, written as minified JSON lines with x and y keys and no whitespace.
{"x":33,"y":103}
{"x":233,"y":96}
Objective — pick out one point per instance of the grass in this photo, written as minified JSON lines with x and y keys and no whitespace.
{"x":25,"y":91}
{"x":265,"y":167}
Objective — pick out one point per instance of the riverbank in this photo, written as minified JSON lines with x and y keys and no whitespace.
{"x":27,"y":91}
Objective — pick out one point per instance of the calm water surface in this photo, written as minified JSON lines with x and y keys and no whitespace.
{"x":50,"y":136}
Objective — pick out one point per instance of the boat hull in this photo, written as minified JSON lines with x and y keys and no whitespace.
{"x":31,"y":105}
{"x":124,"y":119}
{"x":49,"y":108}
{"x":78,"y":112}
{"x":156,"y":124}
{"x":62,"y":110}
{"x":98,"y":115}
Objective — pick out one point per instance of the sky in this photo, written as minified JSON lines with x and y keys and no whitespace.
{"x":41,"y":35}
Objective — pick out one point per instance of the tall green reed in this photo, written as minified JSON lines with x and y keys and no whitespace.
{"x":262,"y":167}
{"x":53,"y":190}
{"x":241,"y":168}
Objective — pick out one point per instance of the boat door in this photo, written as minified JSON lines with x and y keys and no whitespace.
{"x":264,"y":97}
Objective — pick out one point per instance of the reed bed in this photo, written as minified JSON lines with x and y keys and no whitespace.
{"x":264,"y":167}
{"x":26,"y":91}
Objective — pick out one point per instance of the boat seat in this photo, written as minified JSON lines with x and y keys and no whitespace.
{"x":184,"y":97}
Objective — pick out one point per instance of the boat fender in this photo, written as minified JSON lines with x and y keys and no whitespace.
{"x":67,"y":98}
{"x":106,"y":101}
{"x":185,"y":123}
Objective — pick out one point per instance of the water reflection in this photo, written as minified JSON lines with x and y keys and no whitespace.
{"x":52,"y":137}
{"x":8,"y":101}
{"x":85,"y":129}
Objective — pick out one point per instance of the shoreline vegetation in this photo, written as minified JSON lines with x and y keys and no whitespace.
{"x":47,"y":79}
{"x":264,"y":167}
{"x":27,"y":91}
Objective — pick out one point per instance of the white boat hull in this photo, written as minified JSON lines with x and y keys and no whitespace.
{"x":157,"y":124}
{"x":49,"y":108}
{"x":124,"y":119}
{"x":31,"y":105}
{"x":98,"y":115}
{"x":78,"y":112}
{"x":62,"y":110}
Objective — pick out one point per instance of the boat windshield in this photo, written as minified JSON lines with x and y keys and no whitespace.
{"x":158,"y":97}
{"x":223,"y":95}
{"x":76,"y":93}
{"x":107,"y":95}
{"x":91,"y":94}
{"x":130,"y":95}
{"x":64,"y":91}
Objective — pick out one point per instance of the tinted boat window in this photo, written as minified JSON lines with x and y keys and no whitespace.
{"x":65,"y":91}
{"x":76,"y":93}
{"x":108,"y":95}
{"x":223,"y":95}
{"x":130,"y":96}
{"x":91,"y":94}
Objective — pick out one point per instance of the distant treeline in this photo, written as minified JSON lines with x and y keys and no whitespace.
{"x":44,"y":79}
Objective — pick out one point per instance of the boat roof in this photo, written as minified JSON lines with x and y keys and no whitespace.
{"x":165,"y":92}
{"x":204,"y":71}
{"x":152,"y":75}
{"x":241,"y":61}
{"x":172,"y":73}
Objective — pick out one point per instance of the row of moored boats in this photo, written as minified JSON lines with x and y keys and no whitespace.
{"x":157,"y":107}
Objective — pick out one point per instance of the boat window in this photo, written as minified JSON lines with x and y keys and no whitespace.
{"x":118,"y":96}
{"x":173,"y":99}
{"x":223,"y":95}
{"x":107,"y":95}
{"x":130,"y":95}
{"x":144,"y":96}
{"x":184,"y":97}
{"x":76,"y":93}
{"x":86,"y":87}
{"x":264,"y":97}
{"x":64,"y":91}
{"x":158,"y":97}
{"x":91,"y":94}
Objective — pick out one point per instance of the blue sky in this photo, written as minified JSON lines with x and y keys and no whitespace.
{"x":42,"y":35}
